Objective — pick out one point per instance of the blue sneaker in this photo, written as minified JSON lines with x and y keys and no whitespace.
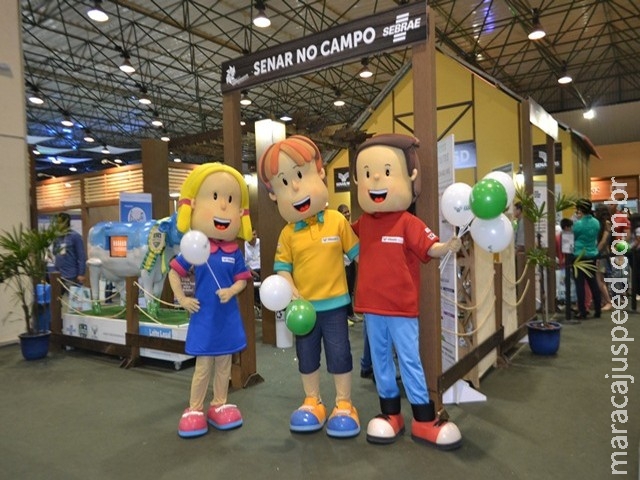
{"x":344,"y":421}
{"x":309,"y":417}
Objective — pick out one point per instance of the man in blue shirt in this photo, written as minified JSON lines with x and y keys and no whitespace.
{"x":71,"y":258}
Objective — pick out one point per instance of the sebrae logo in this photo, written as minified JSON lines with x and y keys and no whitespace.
{"x":401,"y":27}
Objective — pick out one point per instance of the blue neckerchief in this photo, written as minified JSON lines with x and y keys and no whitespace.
{"x":302,"y":224}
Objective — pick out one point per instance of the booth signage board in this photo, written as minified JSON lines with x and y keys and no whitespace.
{"x":540,"y":159}
{"x":602,"y":188}
{"x":448,"y":276}
{"x":465,"y":155}
{"x":388,"y":30}
{"x":341,"y":179}
{"x":135,"y":207}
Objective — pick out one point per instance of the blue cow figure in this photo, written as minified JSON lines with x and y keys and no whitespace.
{"x":116,"y":250}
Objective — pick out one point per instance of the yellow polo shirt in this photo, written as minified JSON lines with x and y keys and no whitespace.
{"x":313,"y":255}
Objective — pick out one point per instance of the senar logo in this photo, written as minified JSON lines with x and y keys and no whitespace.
{"x":401,"y":27}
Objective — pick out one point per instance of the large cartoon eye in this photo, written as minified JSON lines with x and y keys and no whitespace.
{"x":230,"y":199}
{"x":215,"y":195}
{"x":299,"y":174}
{"x":387,"y":172}
{"x":368,"y":173}
{"x":284,"y":180}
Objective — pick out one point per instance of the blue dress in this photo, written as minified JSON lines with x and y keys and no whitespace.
{"x":216,"y":329}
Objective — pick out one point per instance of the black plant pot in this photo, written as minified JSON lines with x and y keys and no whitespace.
{"x":544,"y":339}
{"x":34,"y":346}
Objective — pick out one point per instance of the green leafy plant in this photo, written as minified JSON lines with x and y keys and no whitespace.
{"x":538,"y":256}
{"x":23,"y":266}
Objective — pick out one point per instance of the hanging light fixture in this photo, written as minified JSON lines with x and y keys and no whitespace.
{"x":156,"y":122}
{"x":126,"y":66}
{"x":105,"y":149}
{"x":245,"y":100}
{"x":96,"y":13}
{"x":35,"y":98}
{"x":537,"y":32}
{"x":144,"y":98}
{"x":66,"y":119}
{"x":589,"y":114}
{"x":261,"y":20}
{"x":365,"y":71}
{"x":87,"y":136}
{"x":564,"y":77}
{"x":165,"y":136}
{"x":338,"y":102}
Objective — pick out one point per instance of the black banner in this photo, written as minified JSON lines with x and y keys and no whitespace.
{"x":392,"y":29}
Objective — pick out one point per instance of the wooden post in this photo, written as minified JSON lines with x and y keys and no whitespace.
{"x":245,"y":366}
{"x":551,"y":224}
{"x":155,"y":175}
{"x":56,"y":308}
{"x":427,"y":205}
{"x":133,"y":321}
{"x":527,"y":309}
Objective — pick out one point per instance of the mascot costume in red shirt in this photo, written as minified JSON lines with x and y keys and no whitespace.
{"x":393,"y":244}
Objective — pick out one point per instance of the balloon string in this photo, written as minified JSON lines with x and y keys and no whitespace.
{"x":213,"y":275}
{"x":462,"y":231}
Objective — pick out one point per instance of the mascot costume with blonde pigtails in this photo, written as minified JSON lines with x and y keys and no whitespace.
{"x":309,"y":256}
{"x":393,"y":243}
{"x":214,"y":200}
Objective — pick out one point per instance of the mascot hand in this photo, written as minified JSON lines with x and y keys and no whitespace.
{"x":295,"y":294}
{"x":190,"y":304}
{"x":454,"y":244}
{"x":225,"y":294}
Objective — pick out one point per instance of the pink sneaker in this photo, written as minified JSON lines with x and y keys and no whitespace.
{"x":224,"y":417}
{"x":192,"y":424}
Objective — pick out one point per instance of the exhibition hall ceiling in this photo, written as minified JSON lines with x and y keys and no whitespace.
{"x":177,"y":48}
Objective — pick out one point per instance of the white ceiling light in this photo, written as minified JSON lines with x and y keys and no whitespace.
{"x":564,"y":79}
{"x":244,"y":99}
{"x":97,"y":14}
{"x":365,"y":72}
{"x":66,"y":120}
{"x":589,"y":114}
{"x":88,"y":137}
{"x":35,"y":98}
{"x":156,"y":122}
{"x":261,"y":20}
{"x":126,"y":66}
{"x":537,"y":32}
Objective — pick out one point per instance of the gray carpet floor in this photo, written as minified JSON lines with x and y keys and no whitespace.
{"x":77,"y":415}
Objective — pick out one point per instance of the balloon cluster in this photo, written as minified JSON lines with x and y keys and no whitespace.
{"x":276,"y":294}
{"x":480,"y":210}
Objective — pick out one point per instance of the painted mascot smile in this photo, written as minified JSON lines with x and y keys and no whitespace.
{"x":221,"y":223}
{"x":378,"y":196}
{"x":303,"y":205}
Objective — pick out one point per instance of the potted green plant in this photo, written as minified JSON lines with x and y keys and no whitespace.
{"x":543,"y":333}
{"x":23,"y":268}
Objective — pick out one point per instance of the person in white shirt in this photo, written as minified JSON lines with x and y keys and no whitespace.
{"x":252,"y":259}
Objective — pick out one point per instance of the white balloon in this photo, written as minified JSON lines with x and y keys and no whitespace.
{"x":275,"y":292}
{"x":454,"y":204}
{"x":195,"y":248}
{"x":506,"y":181}
{"x":493,"y":235}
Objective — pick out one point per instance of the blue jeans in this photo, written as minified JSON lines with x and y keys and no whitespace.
{"x":331,"y":329}
{"x":385,"y":334}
